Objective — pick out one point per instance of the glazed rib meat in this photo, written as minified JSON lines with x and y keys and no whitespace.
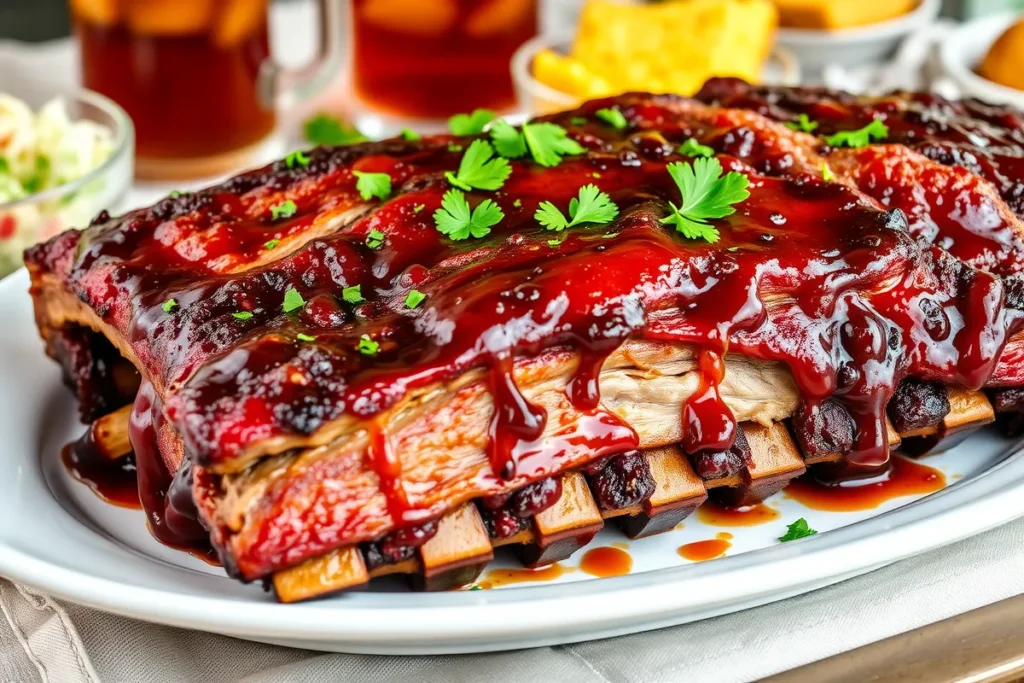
{"x":294,"y":404}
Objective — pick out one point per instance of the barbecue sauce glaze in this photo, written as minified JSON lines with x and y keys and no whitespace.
{"x":810,"y":273}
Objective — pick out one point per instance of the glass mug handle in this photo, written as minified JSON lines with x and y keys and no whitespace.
{"x":282,"y":88}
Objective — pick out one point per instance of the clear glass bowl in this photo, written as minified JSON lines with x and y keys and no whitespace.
{"x":40,"y":216}
{"x":534,"y":97}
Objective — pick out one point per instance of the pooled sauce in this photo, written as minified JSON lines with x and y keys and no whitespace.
{"x":496,"y":578}
{"x":701,"y":551}
{"x":716,"y":514}
{"x":113,"y":481}
{"x":808,"y":273}
{"x":606,"y":561}
{"x":903,"y":478}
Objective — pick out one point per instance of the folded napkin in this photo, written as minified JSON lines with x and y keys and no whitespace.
{"x":42,"y":639}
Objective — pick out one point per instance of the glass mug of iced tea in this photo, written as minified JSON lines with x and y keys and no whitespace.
{"x":417,"y":62}
{"x":196,"y":76}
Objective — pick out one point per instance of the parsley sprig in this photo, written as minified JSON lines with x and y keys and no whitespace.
{"x":372,"y":185}
{"x":480,"y":169}
{"x":613,"y":117}
{"x":692,"y":148}
{"x":470,"y":124}
{"x":862,"y":137}
{"x":804,"y":123}
{"x":457,"y":221}
{"x":293,"y":301}
{"x":546,"y":142}
{"x":285,"y":209}
{"x":353,"y":294}
{"x":706,"y":194}
{"x":798,"y":529}
{"x":592,"y":206}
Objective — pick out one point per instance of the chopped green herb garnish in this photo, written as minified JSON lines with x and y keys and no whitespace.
{"x":546,"y":142}
{"x":517,"y":203}
{"x":271,"y":244}
{"x":455,"y":147}
{"x":173,"y":195}
{"x":169,"y":305}
{"x":375,"y":239}
{"x":480,"y":169}
{"x":798,"y":529}
{"x":470,"y":124}
{"x":592,"y":206}
{"x":293,"y":301}
{"x":372,"y":185}
{"x":733,"y":249}
{"x":297,"y":158}
{"x":475,"y":587}
{"x":578,"y":121}
{"x":692,"y":148}
{"x":609,"y":235}
{"x":862,"y":137}
{"x":367,"y":346}
{"x":324,"y":129}
{"x":706,"y":194}
{"x":418,"y":208}
{"x":241,"y":315}
{"x":595,"y":174}
{"x":285,"y":209}
{"x":455,"y":219}
{"x":303,"y":337}
{"x":554,"y":243}
{"x":414,"y":298}
{"x":353,"y":294}
{"x":804,"y":123}
{"x":613,"y":117}
{"x":408,"y":134}
{"x":826,"y":173}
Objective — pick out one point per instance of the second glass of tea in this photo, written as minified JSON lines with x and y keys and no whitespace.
{"x":417,"y":62}
{"x":196,"y":76}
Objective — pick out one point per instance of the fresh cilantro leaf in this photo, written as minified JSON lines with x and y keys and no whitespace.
{"x":372,"y":185}
{"x":418,"y":208}
{"x":324,"y":129}
{"x":592,"y":206}
{"x":518,"y":203}
{"x":353,"y":294}
{"x":613,"y":117}
{"x":296,"y":158}
{"x":862,"y":137}
{"x":293,"y":301}
{"x":549,"y":142}
{"x":706,"y":194}
{"x":826,"y":173}
{"x":692,"y":148}
{"x":241,"y":315}
{"x":804,"y":123}
{"x":367,"y":346}
{"x":303,"y":337}
{"x":414,"y":298}
{"x":480,"y":169}
{"x":470,"y":124}
{"x":798,"y":529}
{"x":455,"y":219}
{"x":375,"y":239}
{"x":578,"y":121}
{"x":508,"y":141}
{"x":410,"y":135}
{"x":169,"y":305}
{"x":271,"y":244}
{"x":285,"y":209}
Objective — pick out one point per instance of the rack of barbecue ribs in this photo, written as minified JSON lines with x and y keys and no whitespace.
{"x":393,"y":357}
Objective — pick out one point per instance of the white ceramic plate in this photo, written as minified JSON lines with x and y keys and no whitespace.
{"x":56,"y":536}
{"x":963,"y":51}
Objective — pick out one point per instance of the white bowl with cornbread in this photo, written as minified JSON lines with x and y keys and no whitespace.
{"x":849,"y":32}
{"x":985,"y":59}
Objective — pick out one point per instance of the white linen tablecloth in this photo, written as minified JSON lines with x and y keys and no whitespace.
{"x":42,"y":639}
{"x":45,"y":640}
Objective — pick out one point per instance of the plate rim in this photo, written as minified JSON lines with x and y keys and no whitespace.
{"x":535,"y":615}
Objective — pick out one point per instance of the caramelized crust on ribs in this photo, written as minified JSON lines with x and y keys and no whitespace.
{"x":535,"y":366}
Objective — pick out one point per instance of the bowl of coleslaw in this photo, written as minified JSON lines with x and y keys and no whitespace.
{"x":62,"y":162}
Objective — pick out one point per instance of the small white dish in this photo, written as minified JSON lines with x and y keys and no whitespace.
{"x":855,"y":46}
{"x":59,"y":538}
{"x":964,"y":49}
